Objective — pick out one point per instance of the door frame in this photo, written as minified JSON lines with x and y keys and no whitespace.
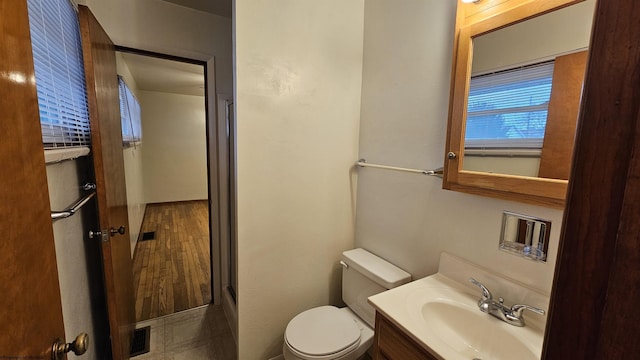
{"x":213,"y":167}
{"x":228,"y":227}
{"x":227,"y":160}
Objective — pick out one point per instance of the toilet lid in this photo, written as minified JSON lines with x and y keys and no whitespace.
{"x":322,"y":331}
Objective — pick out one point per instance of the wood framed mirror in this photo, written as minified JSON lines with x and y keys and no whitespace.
{"x":517,"y":80}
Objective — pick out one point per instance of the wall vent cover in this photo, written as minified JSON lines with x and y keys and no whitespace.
{"x":140,"y":342}
{"x":151,"y":235}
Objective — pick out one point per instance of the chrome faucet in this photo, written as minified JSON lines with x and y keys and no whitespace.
{"x":512,"y":315}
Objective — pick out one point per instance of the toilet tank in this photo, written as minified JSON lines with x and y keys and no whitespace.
{"x":364,"y":275}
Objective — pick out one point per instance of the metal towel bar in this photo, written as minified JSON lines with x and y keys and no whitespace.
{"x":56,"y":215}
{"x":435,"y":172}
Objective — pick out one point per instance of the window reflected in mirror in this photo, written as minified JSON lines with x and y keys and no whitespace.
{"x":506,"y":117}
{"x":524,"y":94}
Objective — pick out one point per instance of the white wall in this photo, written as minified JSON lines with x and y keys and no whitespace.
{"x":406,"y":218}
{"x":542,"y":38}
{"x":524,"y":166}
{"x":168,"y":28}
{"x":174,"y":156}
{"x":136,"y":204}
{"x":78,"y":258}
{"x":298,"y":68}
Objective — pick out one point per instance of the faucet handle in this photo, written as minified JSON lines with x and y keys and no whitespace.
{"x":517,"y":310}
{"x":486,"y":294}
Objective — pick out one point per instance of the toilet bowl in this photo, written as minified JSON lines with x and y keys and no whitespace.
{"x":331,"y":333}
{"x":327,"y":332}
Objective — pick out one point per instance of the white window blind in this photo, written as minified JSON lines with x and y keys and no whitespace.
{"x":508,"y":109}
{"x":60,"y":82}
{"x":130,"y":114}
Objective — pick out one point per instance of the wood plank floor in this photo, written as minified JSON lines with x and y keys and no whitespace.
{"x":172,"y":272}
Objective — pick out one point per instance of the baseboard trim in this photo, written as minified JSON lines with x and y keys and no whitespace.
{"x":176,"y":201}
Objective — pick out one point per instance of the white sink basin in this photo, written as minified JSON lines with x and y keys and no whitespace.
{"x":444,"y":316}
{"x":471,"y":333}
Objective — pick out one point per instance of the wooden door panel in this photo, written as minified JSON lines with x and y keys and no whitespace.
{"x":106,"y":136}
{"x":594,"y":312}
{"x":559,"y":135}
{"x":30,"y":305}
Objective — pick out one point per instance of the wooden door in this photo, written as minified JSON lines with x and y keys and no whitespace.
{"x":106,"y":137}
{"x":594,"y":312}
{"x":30,"y":306}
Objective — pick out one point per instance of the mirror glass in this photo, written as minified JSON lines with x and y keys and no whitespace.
{"x":524,"y":95}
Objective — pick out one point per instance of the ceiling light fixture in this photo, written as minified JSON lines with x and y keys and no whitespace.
{"x":470,"y":1}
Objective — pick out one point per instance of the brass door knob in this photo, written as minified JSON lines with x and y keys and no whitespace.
{"x":78,"y":346}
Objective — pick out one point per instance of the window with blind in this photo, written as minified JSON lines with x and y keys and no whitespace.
{"x":130,"y":114}
{"x":60,"y":82}
{"x":508,"y":109}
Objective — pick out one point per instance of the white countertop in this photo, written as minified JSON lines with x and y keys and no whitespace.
{"x":471,"y":334}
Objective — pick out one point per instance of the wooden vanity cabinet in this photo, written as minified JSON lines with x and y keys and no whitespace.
{"x":392,"y":343}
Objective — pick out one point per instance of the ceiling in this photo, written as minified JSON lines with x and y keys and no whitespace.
{"x":217,"y":7}
{"x":155,"y":74}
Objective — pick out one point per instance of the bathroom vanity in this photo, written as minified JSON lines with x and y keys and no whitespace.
{"x":392,"y":343}
{"x":445,"y":316}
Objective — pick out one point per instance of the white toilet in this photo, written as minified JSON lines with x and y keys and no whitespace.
{"x":328,"y":332}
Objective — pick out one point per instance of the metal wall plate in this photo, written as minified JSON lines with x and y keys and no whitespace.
{"x":525,"y":236}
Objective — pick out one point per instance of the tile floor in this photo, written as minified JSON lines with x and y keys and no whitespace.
{"x":201,"y":333}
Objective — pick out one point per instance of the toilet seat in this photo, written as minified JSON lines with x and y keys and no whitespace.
{"x":324,"y":332}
